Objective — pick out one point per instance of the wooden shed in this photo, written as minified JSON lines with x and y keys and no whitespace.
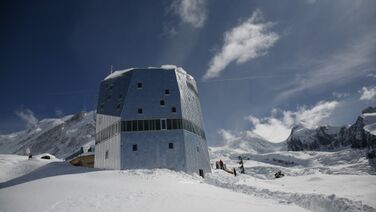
{"x":83,"y":160}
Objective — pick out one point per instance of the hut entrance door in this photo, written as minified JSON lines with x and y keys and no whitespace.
{"x":201,"y":173}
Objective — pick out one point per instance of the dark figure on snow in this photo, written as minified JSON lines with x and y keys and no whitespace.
{"x":28,"y":153}
{"x":221,"y":164}
{"x":242,"y":170}
{"x":279,"y":174}
{"x":234,"y":171}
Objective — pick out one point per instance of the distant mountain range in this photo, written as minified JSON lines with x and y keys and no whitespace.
{"x":60,"y":137}
{"x":64,"y":136}
{"x":361,"y":134}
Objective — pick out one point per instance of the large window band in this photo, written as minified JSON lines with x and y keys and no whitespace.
{"x":148,"y":125}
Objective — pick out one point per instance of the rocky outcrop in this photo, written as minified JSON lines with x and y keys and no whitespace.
{"x":60,"y":137}
{"x":327,"y":138}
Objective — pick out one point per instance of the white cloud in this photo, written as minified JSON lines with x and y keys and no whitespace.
{"x":227,"y":135}
{"x":367,"y":93}
{"x":191,"y":12}
{"x":277,"y":127}
{"x":339,"y":95}
{"x":28,"y":116}
{"x":347,"y":64}
{"x":247,"y":41}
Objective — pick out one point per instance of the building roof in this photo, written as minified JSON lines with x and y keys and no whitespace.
{"x":119,"y":73}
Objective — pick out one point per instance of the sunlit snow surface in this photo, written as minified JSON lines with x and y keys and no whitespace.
{"x":319,"y":181}
{"x":138,"y":190}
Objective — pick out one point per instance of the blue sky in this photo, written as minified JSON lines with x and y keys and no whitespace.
{"x":261,"y":66}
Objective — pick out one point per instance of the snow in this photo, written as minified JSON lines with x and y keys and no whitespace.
{"x":317,"y":181}
{"x":132,"y":190}
{"x":370,"y":122}
{"x":341,"y":180}
{"x":61,"y":136}
{"x":13,"y":166}
{"x":118,"y":73}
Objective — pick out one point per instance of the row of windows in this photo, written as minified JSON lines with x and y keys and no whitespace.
{"x":148,"y":125}
{"x":161,"y":124}
{"x":141,"y":111}
{"x":108,"y":132}
{"x":135,"y":147}
{"x":140,"y":86}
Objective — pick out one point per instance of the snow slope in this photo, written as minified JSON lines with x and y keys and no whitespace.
{"x":136,"y":190}
{"x":319,"y":181}
{"x":60,"y":137}
{"x":243,"y":142}
{"x":13,"y":166}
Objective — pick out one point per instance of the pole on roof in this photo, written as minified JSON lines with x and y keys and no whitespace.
{"x":111,"y":68}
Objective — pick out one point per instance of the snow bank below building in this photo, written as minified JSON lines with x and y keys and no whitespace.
{"x":316,"y":181}
{"x":137,"y":190}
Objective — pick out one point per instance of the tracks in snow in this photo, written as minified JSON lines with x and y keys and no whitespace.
{"x":313,"y":202}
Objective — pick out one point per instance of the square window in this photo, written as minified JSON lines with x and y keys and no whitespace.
{"x":167,"y":92}
{"x":162,"y":102}
{"x":139,"y":110}
{"x":139,"y":85}
{"x":106,"y":154}
{"x":173,"y":109}
{"x":134,"y":147}
{"x":170,"y":145}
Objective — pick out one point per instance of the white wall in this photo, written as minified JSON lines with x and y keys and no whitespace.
{"x":112,"y":145}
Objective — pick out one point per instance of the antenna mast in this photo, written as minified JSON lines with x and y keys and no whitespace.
{"x":111,"y":68}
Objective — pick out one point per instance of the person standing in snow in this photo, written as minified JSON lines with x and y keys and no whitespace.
{"x":221,"y":164}
{"x":28,"y":153}
{"x":242,"y":170}
{"x":234,"y":171}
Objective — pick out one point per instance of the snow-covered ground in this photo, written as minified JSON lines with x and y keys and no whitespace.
{"x":12,"y":166}
{"x":319,"y":181}
{"x":106,"y":190}
{"x":314,"y":182}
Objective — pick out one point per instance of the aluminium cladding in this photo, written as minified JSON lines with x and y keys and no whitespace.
{"x":150,"y":118}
